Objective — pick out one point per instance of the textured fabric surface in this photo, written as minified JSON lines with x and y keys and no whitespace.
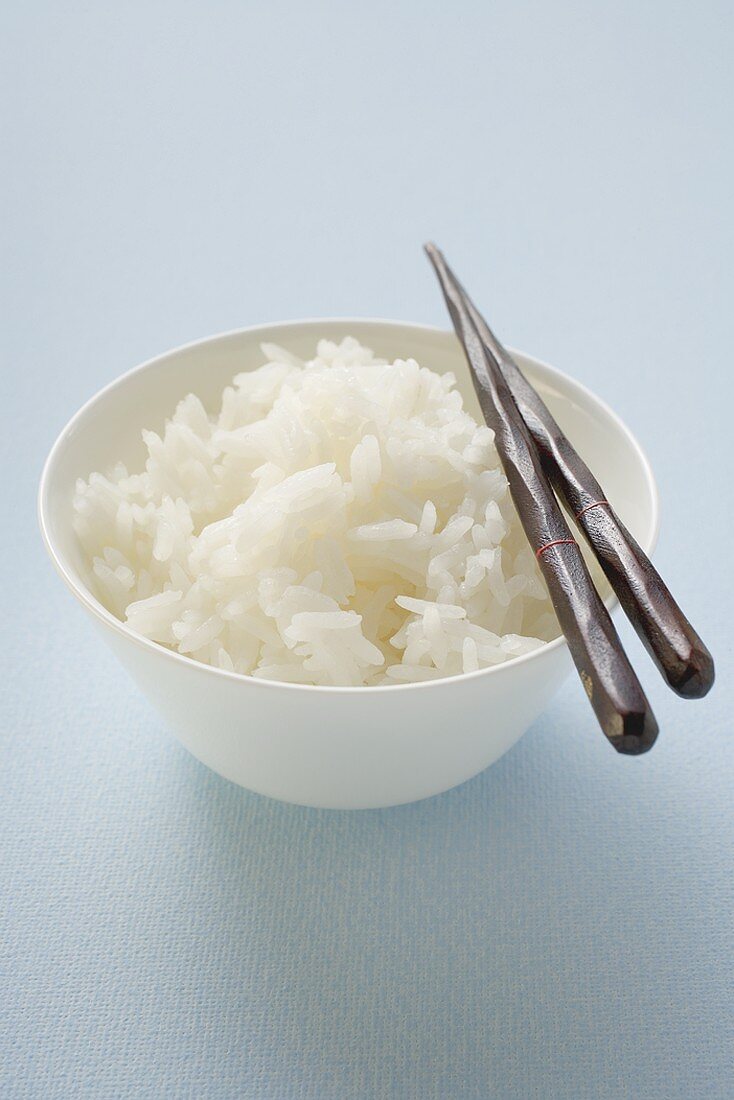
{"x":561,"y":926}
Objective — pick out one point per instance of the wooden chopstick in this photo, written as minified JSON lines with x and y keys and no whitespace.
{"x":674,"y":645}
{"x":614,"y":691}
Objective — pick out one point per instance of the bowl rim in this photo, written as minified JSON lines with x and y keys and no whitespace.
{"x":93,"y":605}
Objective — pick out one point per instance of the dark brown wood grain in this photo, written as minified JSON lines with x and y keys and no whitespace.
{"x":610,"y":682}
{"x":674,"y":645}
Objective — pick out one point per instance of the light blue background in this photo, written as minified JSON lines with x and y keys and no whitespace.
{"x":561,"y":927}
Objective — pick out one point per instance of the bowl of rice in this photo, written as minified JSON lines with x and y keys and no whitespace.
{"x":298,"y":540}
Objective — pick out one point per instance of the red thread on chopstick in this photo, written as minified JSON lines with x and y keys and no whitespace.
{"x":556,"y":542}
{"x":594,"y":504}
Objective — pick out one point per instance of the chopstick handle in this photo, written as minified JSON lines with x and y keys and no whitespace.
{"x":610,"y":682}
{"x":672,"y":642}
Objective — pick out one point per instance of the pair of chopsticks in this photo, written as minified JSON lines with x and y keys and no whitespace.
{"x":539,"y":461}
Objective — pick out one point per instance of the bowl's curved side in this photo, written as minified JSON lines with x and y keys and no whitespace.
{"x":389,"y":749}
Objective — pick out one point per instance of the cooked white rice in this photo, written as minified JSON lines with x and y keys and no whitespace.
{"x":341,"y":521}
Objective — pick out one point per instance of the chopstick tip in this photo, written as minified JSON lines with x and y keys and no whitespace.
{"x":638,"y":734}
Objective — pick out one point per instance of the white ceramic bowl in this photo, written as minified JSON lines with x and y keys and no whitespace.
{"x":324,"y":746}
